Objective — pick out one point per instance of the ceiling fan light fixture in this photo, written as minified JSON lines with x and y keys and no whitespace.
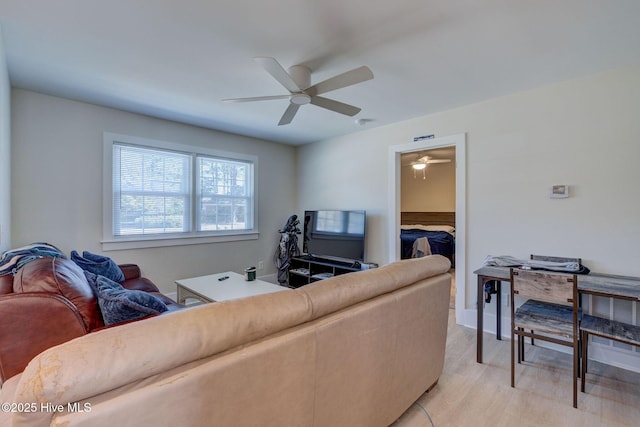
{"x":419,"y":166}
{"x":300,"y":99}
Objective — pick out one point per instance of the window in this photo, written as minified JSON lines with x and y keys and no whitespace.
{"x":224,"y":198}
{"x":159,"y":193}
{"x":151,"y":191}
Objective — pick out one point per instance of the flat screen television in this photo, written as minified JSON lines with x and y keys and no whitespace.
{"x":335,"y":234}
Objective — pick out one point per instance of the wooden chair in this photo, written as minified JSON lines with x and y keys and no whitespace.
{"x":552,"y":259}
{"x":550,"y":314}
{"x":498,"y":290}
{"x":605,"y":328}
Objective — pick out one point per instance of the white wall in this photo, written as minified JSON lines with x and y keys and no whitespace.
{"x":57,"y":185}
{"x":436,"y":193}
{"x":348,"y":173}
{"x":584,"y":133}
{"x":5,"y":152}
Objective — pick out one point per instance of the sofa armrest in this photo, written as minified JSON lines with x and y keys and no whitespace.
{"x":130,"y":271}
{"x":6,"y":284}
{"x":31,"y":323}
{"x":135,"y":281}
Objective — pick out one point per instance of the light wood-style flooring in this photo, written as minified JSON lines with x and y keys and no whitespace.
{"x":472,"y":394}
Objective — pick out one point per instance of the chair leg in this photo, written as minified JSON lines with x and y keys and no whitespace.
{"x":586,"y":351}
{"x":579,"y":355}
{"x":521,"y":348}
{"x":498,"y":310}
{"x":512,"y":357}
{"x":575,"y":372}
{"x":584,"y":337}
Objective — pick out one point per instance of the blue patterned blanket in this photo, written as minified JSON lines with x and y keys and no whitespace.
{"x":13,"y":259}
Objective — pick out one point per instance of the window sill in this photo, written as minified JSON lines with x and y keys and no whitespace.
{"x":157,"y":242}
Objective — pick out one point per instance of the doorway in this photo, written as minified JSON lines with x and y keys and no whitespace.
{"x":395,"y":168}
{"x":428,"y":202}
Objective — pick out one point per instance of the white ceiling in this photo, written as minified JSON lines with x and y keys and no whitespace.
{"x":178,"y":59}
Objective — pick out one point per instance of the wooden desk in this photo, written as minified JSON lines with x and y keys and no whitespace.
{"x":604,"y":285}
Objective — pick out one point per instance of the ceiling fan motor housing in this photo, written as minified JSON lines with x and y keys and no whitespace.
{"x":300,"y":99}
{"x":301,"y":75}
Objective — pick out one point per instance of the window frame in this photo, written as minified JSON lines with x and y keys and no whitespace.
{"x":111,"y":242}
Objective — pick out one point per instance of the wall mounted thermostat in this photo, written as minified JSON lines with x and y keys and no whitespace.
{"x":559,"y":192}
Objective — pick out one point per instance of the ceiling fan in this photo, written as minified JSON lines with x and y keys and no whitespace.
{"x":297,"y":80}
{"x":421,"y":163}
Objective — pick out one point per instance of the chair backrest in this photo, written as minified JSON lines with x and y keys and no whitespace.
{"x":555,"y":258}
{"x":545,"y":286}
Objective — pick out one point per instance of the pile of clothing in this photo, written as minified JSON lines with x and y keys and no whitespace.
{"x":533,"y":264}
{"x":490,"y":287}
{"x":12,"y":260}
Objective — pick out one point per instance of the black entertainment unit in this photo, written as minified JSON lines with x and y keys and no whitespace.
{"x":306,"y":269}
{"x":333,"y":244}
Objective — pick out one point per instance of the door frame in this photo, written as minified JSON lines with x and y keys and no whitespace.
{"x":395,"y":151}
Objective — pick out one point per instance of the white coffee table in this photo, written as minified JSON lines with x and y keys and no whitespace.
{"x":211,"y":289}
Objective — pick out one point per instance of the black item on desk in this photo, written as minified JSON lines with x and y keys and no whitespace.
{"x":489,"y":289}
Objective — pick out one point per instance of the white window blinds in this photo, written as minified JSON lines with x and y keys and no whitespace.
{"x":151,"y":191}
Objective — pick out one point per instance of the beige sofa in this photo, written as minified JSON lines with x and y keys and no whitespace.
{"x":353,"y":350}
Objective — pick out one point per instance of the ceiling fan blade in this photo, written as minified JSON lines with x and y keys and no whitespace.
{"x":288,"y":115}
{"x":427,"y":159}
{"x":257,"y":98}
{"x":274,"y":68}
{"x":338,"y":107}
{"x":355,"y":76}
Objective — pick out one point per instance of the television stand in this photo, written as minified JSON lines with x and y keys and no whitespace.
{"x":305,"y":269}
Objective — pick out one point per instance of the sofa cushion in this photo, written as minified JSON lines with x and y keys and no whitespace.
{"x":98,"y":264}
{"x":60,"y":276}
{"x":118,"y":304}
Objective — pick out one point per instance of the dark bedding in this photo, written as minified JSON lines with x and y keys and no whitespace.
{"x":441,"y":242}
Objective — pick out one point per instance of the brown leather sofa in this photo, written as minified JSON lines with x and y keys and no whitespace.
{"x":48,"y":302}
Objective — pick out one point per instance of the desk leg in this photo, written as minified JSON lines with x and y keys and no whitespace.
{"x":499,"y":310}
{"x":479,"y":325}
